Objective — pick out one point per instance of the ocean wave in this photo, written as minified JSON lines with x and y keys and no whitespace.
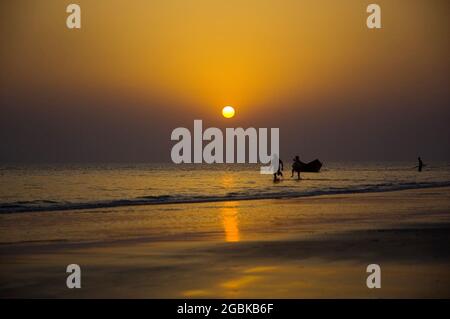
{"x":48,"y":205}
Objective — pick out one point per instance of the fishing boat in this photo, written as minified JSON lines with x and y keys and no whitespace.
{"x":311,"y":167}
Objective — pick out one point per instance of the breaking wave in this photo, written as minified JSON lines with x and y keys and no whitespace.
{"x":46,"y":205}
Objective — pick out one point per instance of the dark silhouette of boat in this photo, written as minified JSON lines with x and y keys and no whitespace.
{"x":311,"y":167}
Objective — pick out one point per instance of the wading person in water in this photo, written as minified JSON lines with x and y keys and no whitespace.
{"x":296,"y":166}
{"x":279,"y":172}
{"x":420,"y":164}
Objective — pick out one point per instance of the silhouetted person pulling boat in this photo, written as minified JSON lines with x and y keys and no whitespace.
{"x":296,"y":166}
{"x":311,"y":167}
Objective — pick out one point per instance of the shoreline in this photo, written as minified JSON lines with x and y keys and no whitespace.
{"x":152,"y":202}
{"x":297,"y":248}
{"x":10,"y":224}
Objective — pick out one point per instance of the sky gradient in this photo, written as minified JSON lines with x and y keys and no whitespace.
{"x":114,"y":90}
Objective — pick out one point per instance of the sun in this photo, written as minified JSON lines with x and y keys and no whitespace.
{"x":228,"y":112}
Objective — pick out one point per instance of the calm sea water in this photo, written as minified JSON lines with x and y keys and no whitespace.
{"x":62,"y":187}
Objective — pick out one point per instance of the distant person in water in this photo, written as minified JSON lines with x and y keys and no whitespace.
{"x":421,"y":165}
{"x":278,"y":173}
{"x":296,"y":166}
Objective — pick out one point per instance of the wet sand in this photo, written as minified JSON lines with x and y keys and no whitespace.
{"x":292,"y":248}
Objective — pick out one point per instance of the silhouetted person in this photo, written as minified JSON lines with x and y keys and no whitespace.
{"x":420,"y":164}
{"x":279,"y":172}
{"x":296,"y":166}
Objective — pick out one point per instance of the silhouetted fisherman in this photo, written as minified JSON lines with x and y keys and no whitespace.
{"x":296,"y":166}
{"x":420,"y":164}
{"x":279,"y":171}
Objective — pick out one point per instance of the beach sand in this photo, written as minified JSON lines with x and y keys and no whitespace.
{"x":316,"y":247}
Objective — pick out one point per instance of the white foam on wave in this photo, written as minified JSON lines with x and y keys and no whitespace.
{"x":44,"y":205}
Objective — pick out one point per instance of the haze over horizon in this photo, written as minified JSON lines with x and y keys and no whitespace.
{"x":114,"y":90}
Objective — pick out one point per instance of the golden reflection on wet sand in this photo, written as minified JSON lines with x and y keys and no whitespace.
{"x":229,"y":213}
{"x":230,"y":222}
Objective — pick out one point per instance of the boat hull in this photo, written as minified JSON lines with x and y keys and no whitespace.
{"x":311,"y":167}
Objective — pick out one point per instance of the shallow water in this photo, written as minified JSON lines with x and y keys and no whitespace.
{"x":63,"y":187}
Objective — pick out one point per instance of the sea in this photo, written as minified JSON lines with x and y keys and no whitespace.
{"x":61,"y":187}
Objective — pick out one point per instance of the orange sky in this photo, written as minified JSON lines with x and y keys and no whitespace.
{"x":193,"y":57}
